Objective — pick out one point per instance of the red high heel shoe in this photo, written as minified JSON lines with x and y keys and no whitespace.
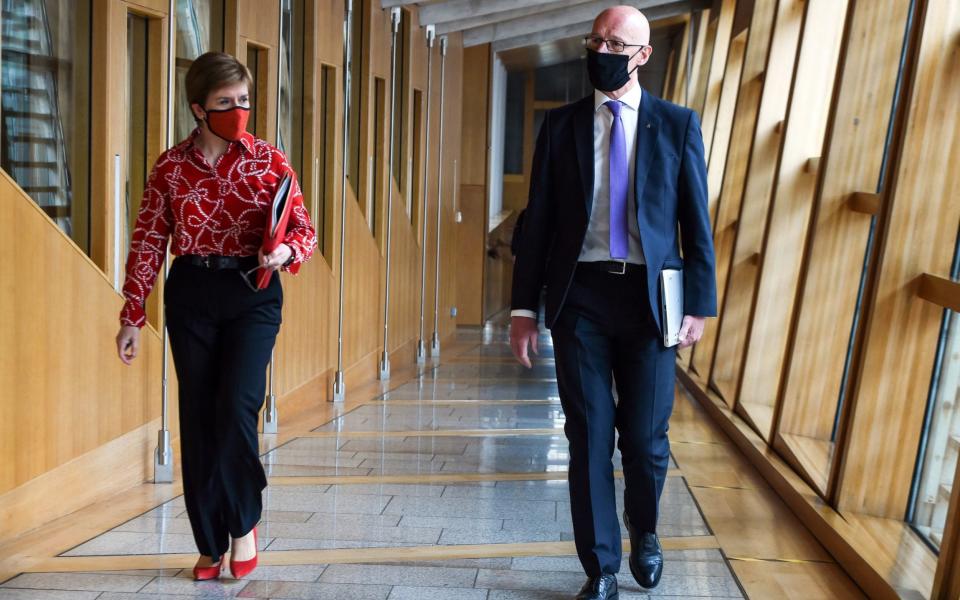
{"x":239,"y":568}
{"x":206,"y":573}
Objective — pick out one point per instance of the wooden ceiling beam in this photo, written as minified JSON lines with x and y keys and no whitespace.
{"x":529,"y":33}
{"x":507,"y":15}
{"x":560,"y":20}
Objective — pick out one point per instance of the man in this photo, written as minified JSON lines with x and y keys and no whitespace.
{"x":613,"y":176}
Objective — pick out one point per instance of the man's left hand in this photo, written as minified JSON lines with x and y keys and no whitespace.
{"x":691,"y":330}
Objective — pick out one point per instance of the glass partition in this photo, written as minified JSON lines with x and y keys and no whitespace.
{"x":257,"y":63}
{"x":199,"y":30}
{"x":401,"y":162}
{"x":356,"y":109}
{"x":516,"y":107}
{"x":415,"y":177}
{"x":45,"y":116}
{"x":138,"y":69}
{"x":323,"y":215}
{"x":378,"y":158}
{"x":830,"y":315}
{"x":940,"y":445}
{"x":292,"y":77}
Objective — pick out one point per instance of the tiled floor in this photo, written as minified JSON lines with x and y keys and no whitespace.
{"x":398,"y":467}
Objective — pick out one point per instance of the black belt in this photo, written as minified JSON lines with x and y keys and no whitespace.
{"x":220,"y":263}
{"x":614,"y":267}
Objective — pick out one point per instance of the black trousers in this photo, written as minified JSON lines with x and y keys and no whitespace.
{"x":221,"y":334}
{"x":606,"y":333}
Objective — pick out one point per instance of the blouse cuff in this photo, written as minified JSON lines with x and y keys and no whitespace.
{"x":294,"y":265}
{"x":133,"y":314}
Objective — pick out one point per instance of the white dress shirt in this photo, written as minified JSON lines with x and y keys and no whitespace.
{"x":596,"y":243}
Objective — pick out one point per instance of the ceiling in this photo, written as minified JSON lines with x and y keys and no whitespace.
{"x":536,"y":33}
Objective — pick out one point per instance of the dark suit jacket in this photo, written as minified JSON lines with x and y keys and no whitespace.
{"x":671,"y":190}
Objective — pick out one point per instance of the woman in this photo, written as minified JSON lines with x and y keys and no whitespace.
{"x":212,"y":193}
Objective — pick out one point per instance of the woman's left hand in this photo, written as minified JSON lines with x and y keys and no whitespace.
{"x":275,"y":259}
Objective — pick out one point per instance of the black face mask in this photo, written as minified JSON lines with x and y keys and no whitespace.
{"x":608,"y":72}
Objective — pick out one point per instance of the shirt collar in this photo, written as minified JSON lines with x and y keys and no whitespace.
{"x":246,"y":140}
{"x":630,"y":99}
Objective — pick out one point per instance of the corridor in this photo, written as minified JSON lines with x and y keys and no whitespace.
{"x":450,"y":485}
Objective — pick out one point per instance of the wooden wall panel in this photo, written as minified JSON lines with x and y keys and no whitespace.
{"x":307,"y":345}
{"x":451,"y":158}
{"x":919,"y":234}
{"x":678,"y":91}
{"x":476,"y":100}
{"x":471,"y":237}
{"x":703,"y":351}
{"x":65,"y":306}
{"x":795,"y":190}
{"x":472,"y":231}
{"x":258,"y":23}
{"x":722,"y":21}
{"x":65,"y":390}
{"x":725,"y":203}
{"x":702,"y":55}
{"x":757,"y":190}
{"x":852,"y":162}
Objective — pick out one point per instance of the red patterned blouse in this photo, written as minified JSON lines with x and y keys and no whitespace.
{"x":210,"y":210}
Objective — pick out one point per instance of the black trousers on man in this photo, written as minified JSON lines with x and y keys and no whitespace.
{"x":606,"y":332}
{"x":221,"y":334}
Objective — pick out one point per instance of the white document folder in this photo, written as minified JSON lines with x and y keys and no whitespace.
{"x":671,"y":305}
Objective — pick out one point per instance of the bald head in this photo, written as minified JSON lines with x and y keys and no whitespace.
{"x":624,"y":23}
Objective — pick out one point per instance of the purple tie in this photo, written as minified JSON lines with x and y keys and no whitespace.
{"x":618,"y":184}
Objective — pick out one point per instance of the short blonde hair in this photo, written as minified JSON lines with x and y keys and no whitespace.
{"x":211,"y":71}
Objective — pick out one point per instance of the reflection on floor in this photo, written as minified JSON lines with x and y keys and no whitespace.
{"x":453,"y":485}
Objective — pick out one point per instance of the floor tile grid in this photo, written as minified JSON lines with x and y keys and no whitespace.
{"x":148,"y":511}
{"x":492,"y":592}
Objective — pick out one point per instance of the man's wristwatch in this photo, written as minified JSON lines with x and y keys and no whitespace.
{"x":293,"y":255}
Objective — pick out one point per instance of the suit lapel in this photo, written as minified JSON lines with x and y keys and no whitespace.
{"x":583,"y":139}
{"x":648,"y":128}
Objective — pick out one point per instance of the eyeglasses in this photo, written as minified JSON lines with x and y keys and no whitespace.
{"x":245,"y":275}
{"x":594,"y":42}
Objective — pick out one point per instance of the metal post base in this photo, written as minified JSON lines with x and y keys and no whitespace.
{"x":270,"y":415}
{"x":339,"y":389}
{"x":435,"y":346}
{"x":384,"y":366}
{"x":421,"y":353}
{"x":163,"y":458}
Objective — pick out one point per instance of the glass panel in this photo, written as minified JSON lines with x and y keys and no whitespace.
{"x":199,"y":30}
{"x":415,"y":179}
{"x":401,"y":163}
{"x":45,"y":124}
{"x":138,"y":45}
{"x":513,"y":141}
{"x":356,"y":98}
{"x":812,"y":417}
{"x":293,"y":75}
{"x":937,"y":460}
{"x":255,"y":56}
{"x":868,"y":251}
{"x":565,"y":83}
{"x":538,"y":116}
{"x":324,"y":183}
{"x":379,"y":159}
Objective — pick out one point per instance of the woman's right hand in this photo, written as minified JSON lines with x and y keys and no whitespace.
{"x":128,"y":343}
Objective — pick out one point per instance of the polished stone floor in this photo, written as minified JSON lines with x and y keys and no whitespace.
{"x":426,"y":432}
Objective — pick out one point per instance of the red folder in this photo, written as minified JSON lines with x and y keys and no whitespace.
{"x":276,"y":230}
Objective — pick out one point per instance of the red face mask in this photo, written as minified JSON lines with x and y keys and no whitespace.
{"x":229,"y":123}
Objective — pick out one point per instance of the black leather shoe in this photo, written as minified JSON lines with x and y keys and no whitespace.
{"x":600,"y":588}
{"x":646,"y":556}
